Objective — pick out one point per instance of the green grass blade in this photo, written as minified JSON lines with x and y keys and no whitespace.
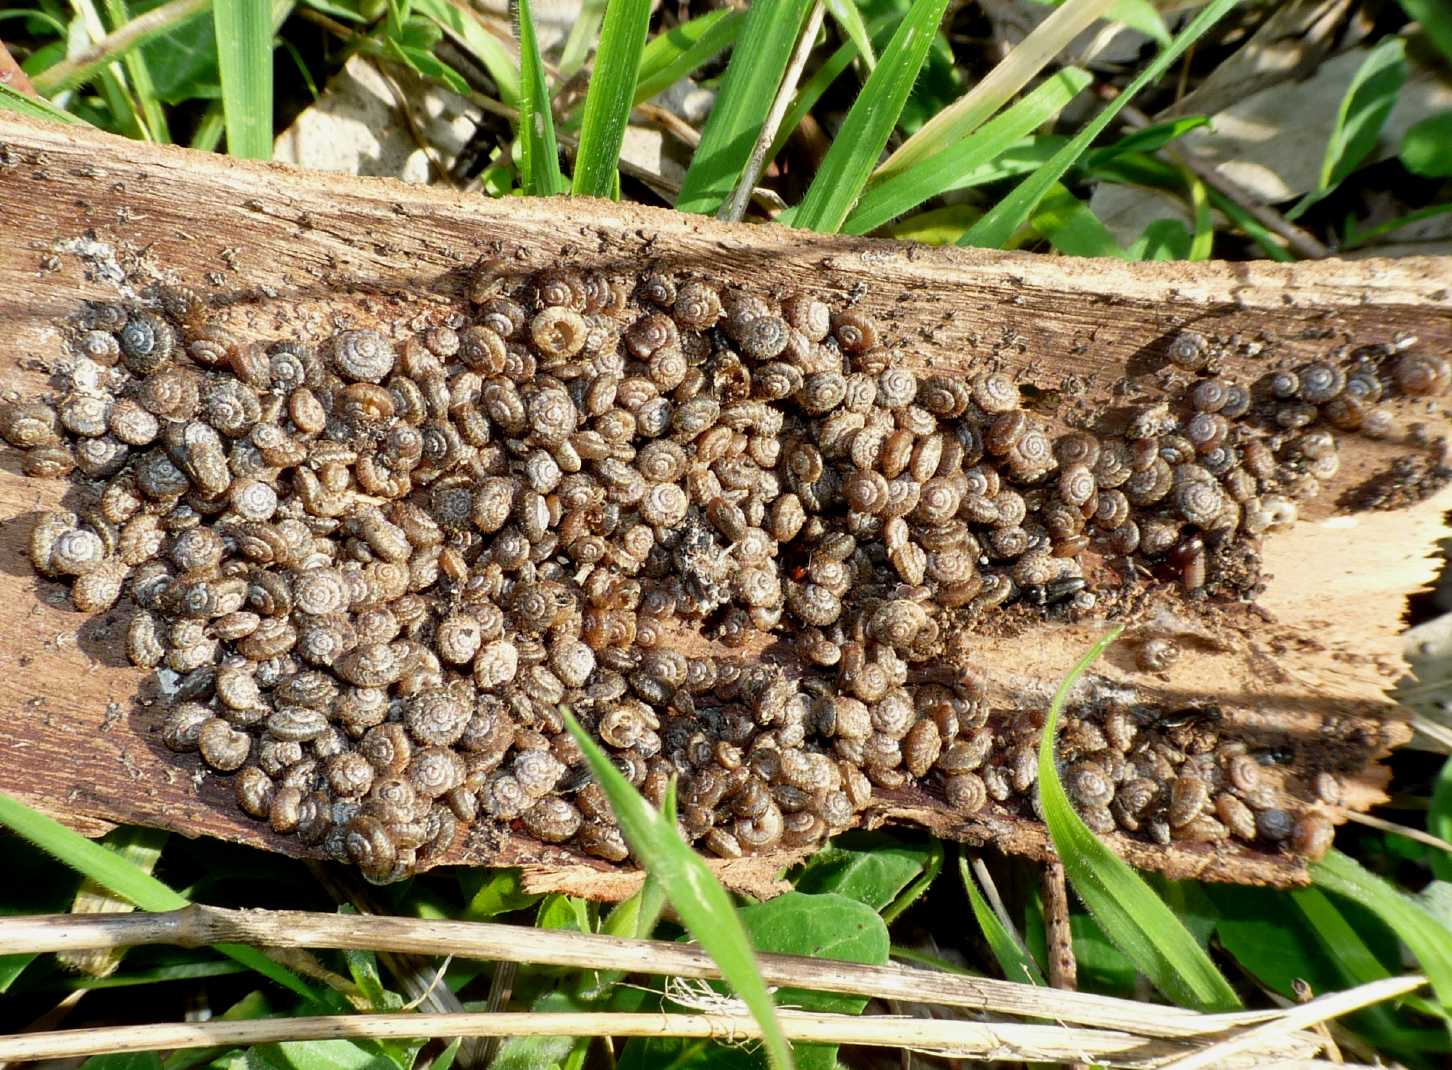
{"x":34,"y":107}
{"x":539,"y":153}
{"x":1141,"y":15}
{"x":673,"y":55}
{"x":1429,"y":940}
{"x":1013,"y":957}
{"x":244,"y":57}
{"x":1126,"y":908}
{"x":1005,"y":217}
{"x":610,"y":98}
{"x":847,"y":15}
{"x":583,"y":34}
{"x":808,"y":93}
{"x":463,"y":26}
{"x":904,"y":190}
{"x":973,"y":108}
{"x":864,"y":133}
{"x":113,"y":872}
{"x":748,"y":88}
{"x":140,"y":77}
{"x":692,"y":889}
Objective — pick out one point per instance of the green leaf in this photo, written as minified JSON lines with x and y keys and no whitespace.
{"x":870,"y":867}
{"x":905,"y":189}
{"x":492,"y":892}
{"x":34,"y":107}
{"x":1004,"y":218}
{"x":427,"y":64}
{"x":539,"y":153}
{"x":1162,"y":239}
{"x":1368,"y":101}
{"x":826,"y":926}
{"x":1364,"y":108}
{"x":860,"y":141}
{"x":325,"y":1055}
{"x":691,"y":887}
{"x":110,"y":870}
{"x":1127,"y":909}
{"x":1436,"y":19}
{"x":610,"y":98}
{"x":244,"y":56}
{"x":560,"y":911}
{"x":1071,"y":227}
{"x":757,"y":65}
{"x":1015,"y":961}
{"x":1427,"y":147}
{"x":683,"y":49}
{"x":462,"y":25}
{"x":1428,"y":939}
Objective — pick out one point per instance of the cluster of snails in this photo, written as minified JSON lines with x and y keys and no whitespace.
{"x":371,"y":572}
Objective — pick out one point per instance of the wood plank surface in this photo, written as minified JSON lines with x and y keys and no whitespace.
{"x":87,"y":216}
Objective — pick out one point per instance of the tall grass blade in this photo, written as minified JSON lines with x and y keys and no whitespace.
{"x":904,"y":190}
{"x":583,"y":35}
{"x":1012,"y":73}
{"x":847,"y":15}
{"x":1126,"y":908}
{"x":610,"y":98}
{"x":1429,"y":940}
{"x":539,"y":153}
{"x":34,"y":107}
{"x":749,"y":86}
{"x":864,"y":133}
{"x":1017,"y":964}
{"x":675,"y":54}
{"x":115,"y":873}
{"x":692,"y":889}
{"x":244,"y":57}
{"x":139,"y":75}
{"x":1001,"y":221}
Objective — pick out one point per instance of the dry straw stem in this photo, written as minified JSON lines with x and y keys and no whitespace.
{"x":1301,"y":1017}
{"x":1011,"y":1041}
{"x":199,"y":926}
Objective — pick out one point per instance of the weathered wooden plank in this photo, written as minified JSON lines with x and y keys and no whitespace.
{"x":91,"y":216}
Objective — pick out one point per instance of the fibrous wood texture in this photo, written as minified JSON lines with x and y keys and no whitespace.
{"x":88,"y":216}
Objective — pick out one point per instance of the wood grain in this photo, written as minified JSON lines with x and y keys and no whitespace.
{"x":88,"y":216}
